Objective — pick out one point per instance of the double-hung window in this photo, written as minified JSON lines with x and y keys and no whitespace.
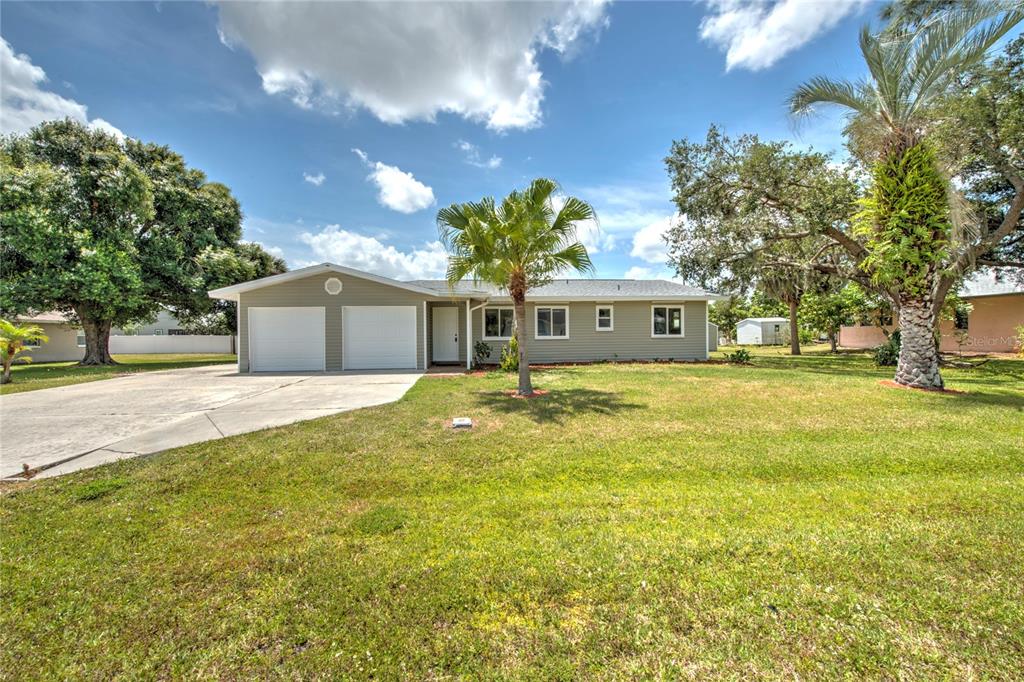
{"x":551,"y":322}
{"x":498,"y":323}
{"x":666,"y":320}
{"x":605,"y":318}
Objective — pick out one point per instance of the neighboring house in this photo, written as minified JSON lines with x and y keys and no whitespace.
{"x":66,"y":342}
{"x":762,"y":331}
{"x":997,"y":309}
{"x":330,"y":317}
{"x":166,"y":324}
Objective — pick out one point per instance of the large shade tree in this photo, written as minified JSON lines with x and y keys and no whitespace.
{"x":759,"y":215}
{"x":521,"y":243}
{"x":105,"y":231}
{"x":914,"y":237}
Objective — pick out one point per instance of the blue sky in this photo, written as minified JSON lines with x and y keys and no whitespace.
{"x":341,"y":128}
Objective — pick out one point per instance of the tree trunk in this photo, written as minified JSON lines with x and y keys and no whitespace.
{"x":918,"y":364}
{"x":794,"y":328}
{"x":97,"y":341}
{"x":833,"y":342}
{"x":525,"y":385}
{"x":5,"y":378}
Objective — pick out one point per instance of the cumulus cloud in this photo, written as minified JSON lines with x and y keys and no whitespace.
{"x":473,"y":158}
{"x":343,"y":247}
{"x":411,"y":61}
{"x":24,"y":103}
{"x":397,"y":190}
{"x":756,"y":34}
{"x":315,"y":180}
{"x":649,"y":242}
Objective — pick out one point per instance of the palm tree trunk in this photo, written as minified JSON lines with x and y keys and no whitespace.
{"x":794,"y":328}
{"x":97,"y":340}
{"x":5,"y":378}
{"x":918,"y":364}
{"x":525,"y":385}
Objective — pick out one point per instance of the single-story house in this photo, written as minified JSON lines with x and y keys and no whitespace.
{"x":66,"y":342}
{"x":330,"y":318}
{"x":762,"y":331}
{"x":165,"y":324}
{"x":996,"y":310}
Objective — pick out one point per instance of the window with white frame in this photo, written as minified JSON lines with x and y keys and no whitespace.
{"x":551,"y":322}
{"x":666,"y":320}
{"x":605,"y":318}
{"x":80,"y":339}
{"x":158,"y":332}
{"x":498,"y":323}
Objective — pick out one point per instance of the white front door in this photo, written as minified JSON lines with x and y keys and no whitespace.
{"x":378,"y":337}
{"x":445,"y":336}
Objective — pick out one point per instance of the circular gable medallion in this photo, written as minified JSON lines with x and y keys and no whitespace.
{"x":333,"y":286}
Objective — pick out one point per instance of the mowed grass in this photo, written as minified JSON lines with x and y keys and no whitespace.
{"x":791,"y":519}
{"x":34,"y":376}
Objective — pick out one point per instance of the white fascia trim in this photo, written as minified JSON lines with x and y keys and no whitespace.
{"x":231,"y":293}
{"x":503,"y":300}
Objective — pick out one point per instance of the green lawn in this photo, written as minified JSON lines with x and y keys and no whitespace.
{"x":31,"y":377}
{"x":791,"y":519}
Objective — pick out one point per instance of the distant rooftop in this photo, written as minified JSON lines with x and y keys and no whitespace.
{"x":581,"y":288}
{"x":765,"y":319}
{"x":991,"y":283}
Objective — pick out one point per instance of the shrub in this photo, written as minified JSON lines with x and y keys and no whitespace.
{"x":481,"y":351}
{"x":510,"y":356}
{"x":1020,"y":340}
{"x":888,"y":353}
{"x":740,"y":356}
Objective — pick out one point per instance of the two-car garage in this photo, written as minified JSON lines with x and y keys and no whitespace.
{"x":295,"y":339}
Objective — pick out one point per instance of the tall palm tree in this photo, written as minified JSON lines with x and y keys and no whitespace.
{"x":15,"y":340}
{"x":522,"y":243}
{"x":912,"y":65}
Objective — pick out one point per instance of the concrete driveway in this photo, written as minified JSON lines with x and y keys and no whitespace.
{"x":76,"y":427}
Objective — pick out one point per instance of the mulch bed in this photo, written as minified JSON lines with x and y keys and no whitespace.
{"x":892,"y":384}
{"x":538,"y":393}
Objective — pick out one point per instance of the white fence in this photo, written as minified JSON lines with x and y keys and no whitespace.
{"x":172,"y":343}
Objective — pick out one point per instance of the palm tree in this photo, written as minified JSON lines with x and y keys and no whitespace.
{"x":14,"y":340}
{"x":522,"y":243}
{"x":912,"y":65}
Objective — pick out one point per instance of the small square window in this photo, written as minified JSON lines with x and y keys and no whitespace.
{"x":605,"y":318}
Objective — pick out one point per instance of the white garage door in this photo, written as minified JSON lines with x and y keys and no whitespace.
{"x":379,"y":337}
{"x":286,"y":339}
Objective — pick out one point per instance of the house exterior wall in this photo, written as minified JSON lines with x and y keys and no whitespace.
{"x":991,"y":326}
{"x":163,"y":324}
{"x":629,"y":340}
{"x":309,"y":291}
{"x":62,"y":346}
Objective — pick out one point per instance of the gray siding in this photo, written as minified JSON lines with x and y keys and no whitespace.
{"x":309,"y":291}
{"x":630,"y":339}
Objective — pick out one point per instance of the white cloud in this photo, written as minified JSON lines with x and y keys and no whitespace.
{"x":473,"y":157}
{"x":411,"y":61}
{"x":649,"y":242}
{"x":398,"y":190}
{"x":343,"y":247}
{"x":24,"y":104}
{"x":756,"y":34}
{"x":315,"y":180}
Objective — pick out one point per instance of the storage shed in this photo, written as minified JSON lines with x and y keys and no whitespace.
{"x":762,"y":331}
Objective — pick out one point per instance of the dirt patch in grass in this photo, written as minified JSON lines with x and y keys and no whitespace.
{"x":539,"y":393}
